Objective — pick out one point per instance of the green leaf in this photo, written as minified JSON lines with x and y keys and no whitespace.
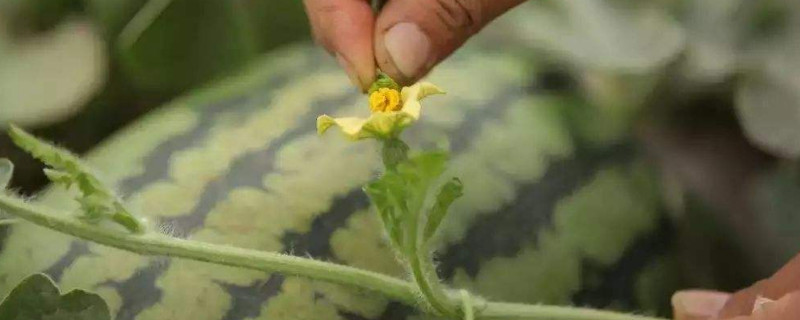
{"x":401,"y":191}
{"x":449,"y":192}
{"x":418,"y":172}
{"x":6,"y":172}
{"x":383,"y":81}
{"x":97,"y":200}
{"x":205,"y":39}
{"x":381,"y":194}
{"x":37,"y":297}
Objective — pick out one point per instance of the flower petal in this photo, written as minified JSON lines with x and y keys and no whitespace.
{"x":382,"y":125}
{"x":413,"y":94}
{"x":324,"y":122}
{"x":350,"y":126}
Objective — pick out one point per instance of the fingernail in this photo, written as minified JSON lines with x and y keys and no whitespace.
{"x":762,"y":303}
{"x":698,"y":304}
{"x":348,"y":68}
{"x":409,"y":48}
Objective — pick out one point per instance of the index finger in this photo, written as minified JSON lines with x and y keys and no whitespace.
{"x":345,"y":28}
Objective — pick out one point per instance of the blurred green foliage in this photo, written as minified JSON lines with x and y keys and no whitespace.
{"x":77,"y":70}
{"x":168,"y":46}
{"x":190,"y":42}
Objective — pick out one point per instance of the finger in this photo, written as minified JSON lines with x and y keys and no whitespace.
{"x":785,"y":308}
{"x":411,"y":36}
{"x":345,"y":29}
{"x":786,"y":280}
{"x":698,"y":304}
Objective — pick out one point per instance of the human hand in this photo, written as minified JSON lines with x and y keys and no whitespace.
{"x":753,"y":303}
{"x":406,"y":39}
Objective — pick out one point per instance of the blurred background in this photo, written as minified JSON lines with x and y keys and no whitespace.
{"x":75,"y":70}
{"x":712,"y":89}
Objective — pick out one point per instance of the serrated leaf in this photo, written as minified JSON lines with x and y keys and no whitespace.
{"x":420,"y":170}
{"x":6,"y":172}
{"x":97,"y":200}
{"x":400,"y":192}
{"x":449,"y":193}
{"x":380,"y":195}
{"x":37,"y":297}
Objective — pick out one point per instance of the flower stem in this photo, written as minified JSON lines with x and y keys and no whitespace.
{"x":422,"y":269}
{"x":162,"y":245}
{"x":394,"y":152}
{"x":430,"y":288}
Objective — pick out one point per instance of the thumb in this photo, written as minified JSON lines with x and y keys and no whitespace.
{"x":411,"y":36}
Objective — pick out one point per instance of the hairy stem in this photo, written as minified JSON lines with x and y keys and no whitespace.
{"x":430,"y":288}
{"x":159,"y":244}
{"x":422,"y":269}
{"x":162,"y":245}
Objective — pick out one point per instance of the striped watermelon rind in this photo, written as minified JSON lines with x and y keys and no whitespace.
{"x":548,"y":215}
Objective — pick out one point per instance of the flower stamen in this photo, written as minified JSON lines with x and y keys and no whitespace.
{"x":385,"y":100}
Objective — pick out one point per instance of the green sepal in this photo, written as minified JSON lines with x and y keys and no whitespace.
{"x":97,"y":200}
{"x":383,"y":81}
{"x":450,"y":192}
{"x":37,"y":297}
{"x":6,"y":172}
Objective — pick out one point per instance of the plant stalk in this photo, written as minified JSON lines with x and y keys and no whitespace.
{"x":162,"y":245}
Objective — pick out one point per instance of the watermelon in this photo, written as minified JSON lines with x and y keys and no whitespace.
{"x":560,"y":205}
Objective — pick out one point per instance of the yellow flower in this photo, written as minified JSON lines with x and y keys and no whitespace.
{"x":388,"y":117}
{"x":384,"y":99}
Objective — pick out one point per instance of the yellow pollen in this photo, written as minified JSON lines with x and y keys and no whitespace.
{"x":384,"y":100}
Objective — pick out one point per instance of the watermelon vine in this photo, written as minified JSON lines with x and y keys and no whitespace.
{"x":97,"y":201}
{"x":411,"y":199}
